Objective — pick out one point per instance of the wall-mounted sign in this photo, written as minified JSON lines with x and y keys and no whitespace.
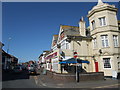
{"x":51,"y":56}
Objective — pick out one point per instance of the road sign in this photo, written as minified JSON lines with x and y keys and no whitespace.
{"x":75,"y":54}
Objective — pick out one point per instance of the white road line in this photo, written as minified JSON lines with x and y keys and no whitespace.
{"x":36,"y":81}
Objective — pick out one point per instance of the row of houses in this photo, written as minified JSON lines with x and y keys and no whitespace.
{"x":98,"y":44}
{"x":7,"y":61}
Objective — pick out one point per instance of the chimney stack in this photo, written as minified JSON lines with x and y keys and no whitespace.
{"x":82,"y":28}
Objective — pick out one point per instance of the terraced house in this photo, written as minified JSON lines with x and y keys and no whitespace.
{"x":98,"y":46}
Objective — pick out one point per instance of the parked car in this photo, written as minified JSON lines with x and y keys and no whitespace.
{"x":32,"y":69}
{"x":23,"y":67}
{"x":17,"y":69}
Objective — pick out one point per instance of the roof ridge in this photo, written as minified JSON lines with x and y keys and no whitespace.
{"x":69,"y":25}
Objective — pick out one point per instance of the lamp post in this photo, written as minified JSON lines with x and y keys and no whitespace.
{"x":5,"y":67}
{"x":8,"y":44}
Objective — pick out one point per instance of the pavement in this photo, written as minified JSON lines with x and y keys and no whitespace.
{"x":47,"y":82}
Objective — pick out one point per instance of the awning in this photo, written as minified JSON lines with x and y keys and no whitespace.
{"x":73,"y":60}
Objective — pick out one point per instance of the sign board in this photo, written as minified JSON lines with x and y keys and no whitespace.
{"x":75,"y":54}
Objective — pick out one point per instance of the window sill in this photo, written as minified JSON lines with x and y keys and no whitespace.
{"x":95,"y":48}
{"x":107,"y":68}
{"x":105,"y":47}
{"x":102,"y":25}
{"x":117,"y":47}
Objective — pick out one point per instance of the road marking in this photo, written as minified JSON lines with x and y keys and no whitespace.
{"x":60,"y":84}
{"x":107,"y":86}
{"x":42,"y":83}
{"x":36,"y":81}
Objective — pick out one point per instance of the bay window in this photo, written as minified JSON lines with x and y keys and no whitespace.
{"x":115,"y":40}
{"x":102,"y":21}
{"x":104,"y":39}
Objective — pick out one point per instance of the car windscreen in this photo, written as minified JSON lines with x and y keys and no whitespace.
{"x":17,"y":68}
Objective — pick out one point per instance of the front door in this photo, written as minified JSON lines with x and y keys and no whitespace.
{"x":96,"y":66}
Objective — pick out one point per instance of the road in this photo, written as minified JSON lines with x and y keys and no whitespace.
{"x":19,"y":80}
{"x":24,"y":80}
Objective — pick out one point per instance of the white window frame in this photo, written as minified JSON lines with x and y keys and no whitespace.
{"x":63,"y":44}
{"x":118,"y":65}
{"x":115,"y":41}
{"x":102,"y":21}
{"x":67,"y":45}
{"x":104,"y":39}
{"x":93,"y":24}
{"x":104,"y":62}
{"x":94,"y":43}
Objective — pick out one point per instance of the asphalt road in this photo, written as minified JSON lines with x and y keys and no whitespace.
{"x":19,"y":80}
{"x":24,"y":80}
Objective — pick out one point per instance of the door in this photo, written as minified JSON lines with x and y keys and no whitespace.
{"x":96,"y":66}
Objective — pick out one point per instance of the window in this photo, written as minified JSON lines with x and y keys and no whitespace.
{"x":67,"y":45}
{"x":106,"y":62}
{"x":93,"y":25}
{"x":94,"y":43}
{"x":115,"y":40}
{"x":118,"y":65}
{"x":104,"y":39}
{"x":102,"y":21}
{"x":54,"y":42}
{"x":63,"y":44}
{"x":62,"y":35}
{"x":118,"y":26}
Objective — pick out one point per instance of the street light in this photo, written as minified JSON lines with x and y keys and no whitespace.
{"x":8,"y":44}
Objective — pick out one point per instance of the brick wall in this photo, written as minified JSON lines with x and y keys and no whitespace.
{"x":71,"y":77}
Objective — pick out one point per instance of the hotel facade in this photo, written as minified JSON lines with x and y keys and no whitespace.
{"x":99,"y":44}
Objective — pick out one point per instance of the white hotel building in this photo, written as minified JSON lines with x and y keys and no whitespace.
{"x":99,"y":44}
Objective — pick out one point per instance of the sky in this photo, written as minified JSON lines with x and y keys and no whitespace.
{"x":31,"y":25}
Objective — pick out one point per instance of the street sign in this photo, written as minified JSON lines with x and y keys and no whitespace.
{"x":75,"y":54}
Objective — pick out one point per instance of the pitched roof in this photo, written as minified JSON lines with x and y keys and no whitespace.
{"x":71,"y":30}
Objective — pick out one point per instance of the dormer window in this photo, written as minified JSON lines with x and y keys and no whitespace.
{"x":62,"y":35}
{"x":54,"y":42}
{"x":93,"y":24}
{"x":102,"y":21}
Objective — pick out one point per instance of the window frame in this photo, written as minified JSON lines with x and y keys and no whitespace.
{"x":105,"y":41}
{"x":102,"y":21}
{"x":118,"y":65}
{"x":115,"y":41}
{"x":93,"y":24}
{"x":94,"y":43}
{"x":108,"y":63}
